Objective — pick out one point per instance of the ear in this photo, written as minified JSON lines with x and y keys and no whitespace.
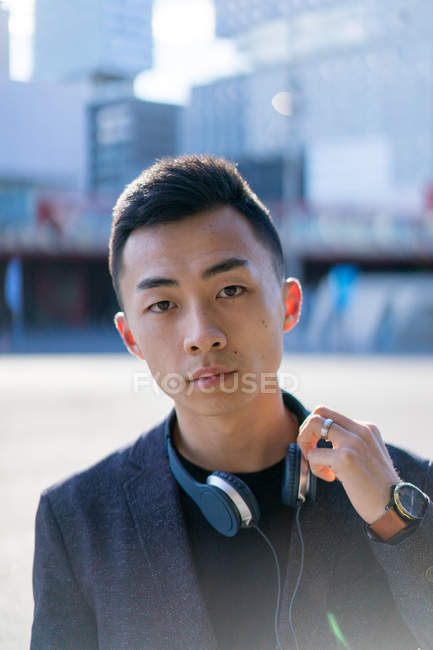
{"x":126,"y":335}
{"x":292,"y":295}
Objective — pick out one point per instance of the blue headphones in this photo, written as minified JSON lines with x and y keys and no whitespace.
{"x":227,"y":502}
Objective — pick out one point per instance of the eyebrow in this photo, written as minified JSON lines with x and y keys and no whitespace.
{"x":221,"y":267}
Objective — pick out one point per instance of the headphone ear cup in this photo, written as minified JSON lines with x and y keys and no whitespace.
{"x":219,"y":510}
{"x":311,"y":494}
{"x":291,"y":475}
{"x":239,"y":486}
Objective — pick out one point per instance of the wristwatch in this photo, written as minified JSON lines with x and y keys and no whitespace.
{"x":403,"y":513}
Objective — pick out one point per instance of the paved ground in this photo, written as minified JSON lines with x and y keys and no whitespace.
{"x":62,"y":413}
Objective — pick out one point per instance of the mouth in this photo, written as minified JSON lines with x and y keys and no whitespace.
{"x":213,"y":380}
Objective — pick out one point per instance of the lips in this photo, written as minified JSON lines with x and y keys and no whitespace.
{"x":209,"y":371}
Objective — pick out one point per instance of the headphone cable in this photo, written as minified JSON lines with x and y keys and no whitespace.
{"x":301,"y":568}
{"x":298,"y":580}
{"x":277,"y":565}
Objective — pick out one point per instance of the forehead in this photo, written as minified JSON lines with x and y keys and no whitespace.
{"x":192,"y":243}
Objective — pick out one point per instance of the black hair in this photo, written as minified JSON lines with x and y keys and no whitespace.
{"x":175,"y":188}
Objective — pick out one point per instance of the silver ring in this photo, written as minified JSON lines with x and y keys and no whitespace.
{"x":326,"y":425}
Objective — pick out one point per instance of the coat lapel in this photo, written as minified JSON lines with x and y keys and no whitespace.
{"x":153,"y":497}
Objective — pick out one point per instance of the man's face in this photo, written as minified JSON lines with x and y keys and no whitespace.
{"x":234,"y":317}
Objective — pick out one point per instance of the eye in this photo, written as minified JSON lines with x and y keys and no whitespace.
{"x":158,"y":304}
{"x":232,"y":290}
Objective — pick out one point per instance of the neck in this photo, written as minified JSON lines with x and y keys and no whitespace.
{"x":249,"y":439}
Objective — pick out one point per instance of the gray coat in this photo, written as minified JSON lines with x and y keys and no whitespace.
{"x":113,"y":568}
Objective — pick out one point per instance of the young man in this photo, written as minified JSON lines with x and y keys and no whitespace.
{"x":146,"y":549}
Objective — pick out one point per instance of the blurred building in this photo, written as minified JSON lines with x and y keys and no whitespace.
{"x":43,"y":135}
{"x":234,"y":17}
{"x":125,"y":136}
{"x":70,"y":141}
{"x":105,"y":39}
{"x":214,"y":120}
{"x":59,"y":180}
{"x":234,"y":118}
{"x":4,"y":44}
{"x":359,"y":75}
{"x":332,"y":128}
{"x":356,"y":132}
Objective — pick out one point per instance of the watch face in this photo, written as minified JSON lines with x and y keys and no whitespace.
{"x":412,"y":500}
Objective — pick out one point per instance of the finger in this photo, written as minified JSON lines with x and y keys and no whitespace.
{"x":320,"y":464}
{"x":309,"y":434}
{"x":376,"y":433}
{"x":368,"y":431}
{"x":343,"y":461}
{"x":339,"y":418}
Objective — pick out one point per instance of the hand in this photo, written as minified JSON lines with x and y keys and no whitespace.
{"x":358,"y":458}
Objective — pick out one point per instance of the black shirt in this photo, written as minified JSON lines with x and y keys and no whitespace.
{"x":237,"y":575}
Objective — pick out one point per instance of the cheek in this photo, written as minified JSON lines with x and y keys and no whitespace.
{"x":155,"y":343}
{"x":148,"y":330}
{"x":271,"y":317}
{"x":159,"y":365}
{"x":270,"y":330}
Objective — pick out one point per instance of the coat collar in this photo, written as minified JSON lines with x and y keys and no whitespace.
{"x":153,"y":497}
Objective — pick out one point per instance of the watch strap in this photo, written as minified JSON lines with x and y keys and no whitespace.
{"x":403,"y":534}
{"x":388,"y":525}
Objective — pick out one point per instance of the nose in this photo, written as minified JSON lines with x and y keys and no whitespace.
{"x":203,"y":335}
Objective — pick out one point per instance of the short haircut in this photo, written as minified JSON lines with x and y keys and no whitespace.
{"x":175,"y":188}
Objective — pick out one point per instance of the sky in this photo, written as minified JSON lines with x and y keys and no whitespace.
{"x":20,"y":32}
{"x":186,"y":51}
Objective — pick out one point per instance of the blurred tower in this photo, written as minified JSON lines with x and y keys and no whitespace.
{"x":234,"y":17}
{"x":127,"y":135}
{"x":99,"y":40}
{"x":4,"y":43}
{"x":359,"y":75}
